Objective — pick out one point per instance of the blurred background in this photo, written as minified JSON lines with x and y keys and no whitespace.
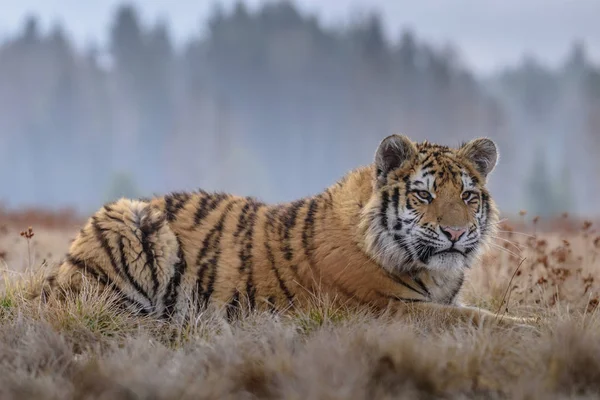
{"x":279,"y":99}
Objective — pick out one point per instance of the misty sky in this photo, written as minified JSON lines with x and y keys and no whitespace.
{"x":489,"y":33}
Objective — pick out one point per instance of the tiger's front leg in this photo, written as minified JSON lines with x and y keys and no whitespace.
{"x":449,"y":315}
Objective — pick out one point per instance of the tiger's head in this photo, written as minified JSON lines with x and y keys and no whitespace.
{"x":430,"y":207}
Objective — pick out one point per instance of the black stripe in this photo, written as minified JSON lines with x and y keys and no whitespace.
{"x":245,"y":256}
{"x":288,"y":220}
{"x":214,"y":262}
{"x":200,"y":213}
{"x":124,"y":273}
{"x":89,"y":267}
{"x":399,"y":280}
{"x":428,"y":165}
{"x":396,"y":206}
{"x":171,"y":293}
{"x":96,"y":273}
{"x":170,"y":209}
{"x":207,"y":204}
{"x":422,"y":285}
{"x":396,"y":200}
{"x":426,"y":253}
{"x":174,"y":203}
{"x":125,"y":265}
{"x":407,"y":185}
{"x":308,"y":231}
{"x":385,"y":201}
{"x":242,"y":220}
{"x":147,"y":230}
{"x":406,"y":300}
{"x":485,"y":204}
{"x":398,"y":298}
{"x":271,"y":257}
{"x":244,"y":223}
{"x":108,"y":210}
{"x":211,"y":243}
{"x":452,"y":171}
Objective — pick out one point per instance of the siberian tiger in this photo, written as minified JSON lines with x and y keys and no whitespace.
{"x":396,"y":235}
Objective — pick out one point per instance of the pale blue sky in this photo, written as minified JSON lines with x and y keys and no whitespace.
{"x":489,"y":33}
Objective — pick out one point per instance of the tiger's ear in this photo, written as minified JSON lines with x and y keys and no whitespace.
{"x":482,"y":153}
{"x":393,"y":152}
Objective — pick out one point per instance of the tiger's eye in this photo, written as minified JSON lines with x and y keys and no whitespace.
{"x":425,"y":195}
{"x":468,"y":195}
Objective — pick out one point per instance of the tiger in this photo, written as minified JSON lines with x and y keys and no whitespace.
{"x":397,"y":235}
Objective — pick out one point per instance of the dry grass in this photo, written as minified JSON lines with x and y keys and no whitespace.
{"x":88,"y":349}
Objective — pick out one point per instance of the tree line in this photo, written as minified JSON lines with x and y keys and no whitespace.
{"x":272,"y":103}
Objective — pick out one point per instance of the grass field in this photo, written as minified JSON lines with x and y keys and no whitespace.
{"x":87,"y":349}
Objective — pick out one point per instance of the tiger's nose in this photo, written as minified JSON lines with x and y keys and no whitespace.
{"x":453,"y":232}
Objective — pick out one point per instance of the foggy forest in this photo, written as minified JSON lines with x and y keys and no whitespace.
{"x":272,"y":103}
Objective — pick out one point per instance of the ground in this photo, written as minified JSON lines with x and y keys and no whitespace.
{"x":89,"y":349}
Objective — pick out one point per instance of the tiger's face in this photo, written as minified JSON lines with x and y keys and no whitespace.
{"x":430,"y":208}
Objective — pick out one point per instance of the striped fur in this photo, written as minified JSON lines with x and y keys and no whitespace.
{"x":372,"y":238}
